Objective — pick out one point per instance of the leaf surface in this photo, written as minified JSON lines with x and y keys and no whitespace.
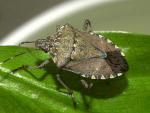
{"x":38,"y":91}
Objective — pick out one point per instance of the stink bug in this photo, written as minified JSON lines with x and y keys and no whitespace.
{"x":85,"y":53}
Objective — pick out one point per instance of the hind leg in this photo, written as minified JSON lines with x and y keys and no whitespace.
{"x":85,"y":84}
{"x":86,"y":24}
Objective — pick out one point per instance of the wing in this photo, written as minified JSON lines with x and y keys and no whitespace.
{"x":100,"y":68}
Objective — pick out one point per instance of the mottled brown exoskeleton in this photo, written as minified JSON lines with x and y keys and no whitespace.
{"x":85,"y":53}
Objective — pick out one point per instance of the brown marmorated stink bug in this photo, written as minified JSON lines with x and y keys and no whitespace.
{"x":85,"y":53}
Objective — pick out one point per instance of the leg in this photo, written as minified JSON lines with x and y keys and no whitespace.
{"x":57,"y":28}
{"x":69,"y":90}
{"x":35,"y":67}
{"x":86,"y":23}
{"x":85,"y":84}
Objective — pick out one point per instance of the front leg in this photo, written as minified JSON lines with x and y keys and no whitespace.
{"x":85,"y":26}
{"x":35,"y":67}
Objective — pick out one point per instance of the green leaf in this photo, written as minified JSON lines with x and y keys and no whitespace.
{"x":38,"y":91}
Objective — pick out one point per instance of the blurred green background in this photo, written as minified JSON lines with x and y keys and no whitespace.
{"x":113,"y":15}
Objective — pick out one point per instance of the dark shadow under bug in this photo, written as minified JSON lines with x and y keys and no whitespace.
{"x":102,"y":89}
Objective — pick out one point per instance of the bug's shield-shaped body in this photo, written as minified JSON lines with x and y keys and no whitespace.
{"x":91,"y":55}
{"x":86,"y":53}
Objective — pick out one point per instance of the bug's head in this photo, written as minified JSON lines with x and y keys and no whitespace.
{"x":45,"y":44}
